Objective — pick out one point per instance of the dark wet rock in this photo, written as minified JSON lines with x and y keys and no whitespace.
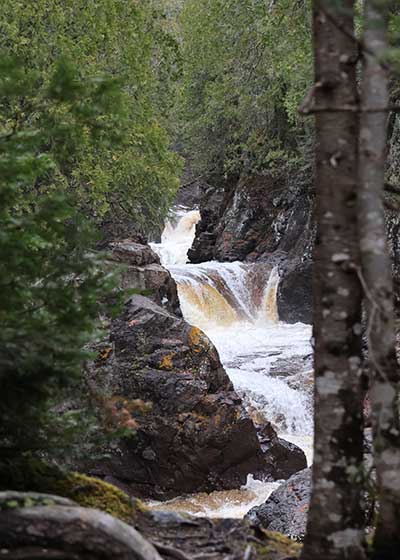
{"x":294,"y":293}
{"x":283,"y":458}
{"x":255,"y":218}
{"x":286,"y":508}
{"x":197,"y":435}
{"x":285,"y":367}
{"x":143,"y":271}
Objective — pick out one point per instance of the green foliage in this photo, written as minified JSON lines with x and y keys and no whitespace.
{"x":51,"y":284}
{"x":247,"y":67}
{"x":134,"y":174}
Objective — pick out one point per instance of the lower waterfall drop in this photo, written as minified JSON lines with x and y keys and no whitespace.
{"x":268,"y":362}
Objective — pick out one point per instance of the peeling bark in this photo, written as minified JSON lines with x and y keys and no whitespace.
{"x":336,"y":518}
{"x":377,"y":274}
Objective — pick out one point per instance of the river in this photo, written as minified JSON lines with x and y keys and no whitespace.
{"x":268,"y":361}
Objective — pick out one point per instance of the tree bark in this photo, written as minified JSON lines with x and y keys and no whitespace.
{"x":377,"y":274}
{"x":336,"y":517}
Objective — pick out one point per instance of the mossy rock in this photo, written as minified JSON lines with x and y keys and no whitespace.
{"x":276,"y":546}
{"x":94,"y":493}
{"x":38,"y":476}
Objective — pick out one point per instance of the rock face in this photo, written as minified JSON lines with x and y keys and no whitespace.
{"x":263,"y":218}
{"x":286,"y":508}
{"x":295,"y":294}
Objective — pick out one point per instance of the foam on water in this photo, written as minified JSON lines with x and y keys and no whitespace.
{"x":235,"y":304}
{"x":224,"y":503}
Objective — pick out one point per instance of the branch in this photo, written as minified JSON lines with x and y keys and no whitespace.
{"x":307,"y":108}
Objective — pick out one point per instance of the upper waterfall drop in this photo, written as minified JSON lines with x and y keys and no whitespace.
{"x":177,"y":237}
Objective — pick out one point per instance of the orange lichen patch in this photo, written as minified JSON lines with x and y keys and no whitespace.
{"x":167,"y":361}
{"x":198,"y":341}
{"x":104,"y":354}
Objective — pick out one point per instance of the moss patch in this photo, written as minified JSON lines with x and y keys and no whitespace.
{"x":37,"y":476}
{"x":94,"y":493}
{"x":277,"y":546}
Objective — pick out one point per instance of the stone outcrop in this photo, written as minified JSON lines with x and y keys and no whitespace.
{"x":295,"y":302}
{"x":142,"y":271}
{"x":263,"y":218}
{"x":286,"y":508}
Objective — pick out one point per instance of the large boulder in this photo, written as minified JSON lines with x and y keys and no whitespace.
{"x":197,"y":435}
{"x":286,"y":508}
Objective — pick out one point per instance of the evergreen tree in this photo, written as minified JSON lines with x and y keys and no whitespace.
{"x":52,"y":284}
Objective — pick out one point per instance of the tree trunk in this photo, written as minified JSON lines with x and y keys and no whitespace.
{"x":336,"y":518}
{"x":377,"y":274}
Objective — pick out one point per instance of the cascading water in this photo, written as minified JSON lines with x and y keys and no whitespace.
{"x":235,"y":304}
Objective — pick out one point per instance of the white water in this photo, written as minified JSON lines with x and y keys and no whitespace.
{"x":235,"y":305}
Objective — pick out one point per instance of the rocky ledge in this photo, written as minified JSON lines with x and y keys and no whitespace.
{"x":193,"y":433}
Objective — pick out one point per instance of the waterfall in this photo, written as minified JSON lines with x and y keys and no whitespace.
{"x":235,"y":304}
{"x":177,"y":236}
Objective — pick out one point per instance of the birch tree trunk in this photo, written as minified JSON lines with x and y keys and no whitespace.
{"x":377,"y":273}
{"x":335,"y":521}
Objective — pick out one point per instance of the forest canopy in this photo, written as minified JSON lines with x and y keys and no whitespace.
{"x":133,"y":175}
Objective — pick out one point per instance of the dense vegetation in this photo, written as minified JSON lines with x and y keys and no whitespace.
{"x":247,"y":66}
{"x":134,"y":175}
{"x":247,"y":69}
{"x":84,"y":100}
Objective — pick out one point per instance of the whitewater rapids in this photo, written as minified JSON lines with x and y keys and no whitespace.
{"x":235,"y":304}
